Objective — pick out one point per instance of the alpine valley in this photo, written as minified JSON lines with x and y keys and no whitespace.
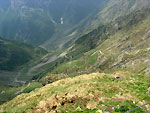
{"x":73,"y":56}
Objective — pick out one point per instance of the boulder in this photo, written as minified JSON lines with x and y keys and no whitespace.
{"x":116,"y":76}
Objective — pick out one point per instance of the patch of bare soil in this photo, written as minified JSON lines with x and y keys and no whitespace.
{"x":55,"y":103}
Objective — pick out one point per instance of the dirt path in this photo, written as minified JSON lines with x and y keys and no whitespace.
{"x":17,"y":93}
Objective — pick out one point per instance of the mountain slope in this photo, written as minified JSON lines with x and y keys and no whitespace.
{"x":113,"y":48}
{"x":126,"y":47}
{"x":86,"y":93}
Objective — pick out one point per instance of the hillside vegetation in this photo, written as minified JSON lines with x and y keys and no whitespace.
{"x":92,"y":93}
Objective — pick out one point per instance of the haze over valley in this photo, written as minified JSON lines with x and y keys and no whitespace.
{"x":90,"y":56}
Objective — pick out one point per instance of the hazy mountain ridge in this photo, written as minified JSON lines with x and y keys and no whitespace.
{"x":37,"y":21}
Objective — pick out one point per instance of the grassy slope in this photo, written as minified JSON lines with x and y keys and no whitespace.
{"x":87,"y":93}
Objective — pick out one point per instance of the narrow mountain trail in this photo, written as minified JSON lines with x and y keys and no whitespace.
{"x":22,"y":89}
